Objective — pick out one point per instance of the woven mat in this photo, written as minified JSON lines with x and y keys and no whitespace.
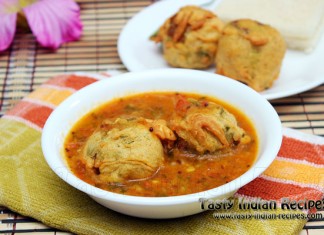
{"x":26,"y":65}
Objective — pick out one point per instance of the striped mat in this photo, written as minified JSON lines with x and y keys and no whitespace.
{"x":29,"y":187}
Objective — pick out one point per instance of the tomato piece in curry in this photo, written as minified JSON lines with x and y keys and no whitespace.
{"x":186,"y":165}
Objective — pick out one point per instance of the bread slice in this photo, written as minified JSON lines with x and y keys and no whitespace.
{"x":301,"y":22}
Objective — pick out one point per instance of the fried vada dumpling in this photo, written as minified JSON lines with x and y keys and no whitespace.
{"x":129,"y":150}
{"x":159,"y":127}
{"x":189,"y":38}
{"x":207,"y":127}
{"x":250,"y":52}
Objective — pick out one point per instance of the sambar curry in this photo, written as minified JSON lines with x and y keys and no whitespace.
{"x":161,"y":144}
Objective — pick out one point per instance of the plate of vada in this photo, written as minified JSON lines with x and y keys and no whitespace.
{"x":185,"y":35}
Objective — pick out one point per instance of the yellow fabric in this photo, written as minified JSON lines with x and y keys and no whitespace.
{"x":50,"y":95}
{"x":291,"y":171}
{"x":28,"y":186}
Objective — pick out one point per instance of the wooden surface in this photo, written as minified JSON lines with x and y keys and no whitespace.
{"x":25,"y":65}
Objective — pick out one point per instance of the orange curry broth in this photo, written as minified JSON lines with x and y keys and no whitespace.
{"x":181,"y":173}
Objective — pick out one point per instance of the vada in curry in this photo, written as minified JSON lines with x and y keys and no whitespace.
{"x":206,"y":127}
{"x":119,"y":150}
{"x":161,"y":144}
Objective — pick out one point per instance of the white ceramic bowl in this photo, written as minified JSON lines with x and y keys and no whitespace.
{"x":258,"y":109}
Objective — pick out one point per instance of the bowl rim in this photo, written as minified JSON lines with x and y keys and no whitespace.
{"x":248,"y":176}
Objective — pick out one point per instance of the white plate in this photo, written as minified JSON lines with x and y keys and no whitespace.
{"x":300,"y":71}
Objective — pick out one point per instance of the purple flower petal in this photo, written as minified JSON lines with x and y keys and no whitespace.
{"x":54,"y":22}
{"x":7,"y":30}
{"x":8,"y":19}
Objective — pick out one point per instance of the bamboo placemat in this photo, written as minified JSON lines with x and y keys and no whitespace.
{"x":26,"y":65}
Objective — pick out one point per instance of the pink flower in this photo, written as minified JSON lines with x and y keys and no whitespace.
{"x":53,"y":22}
